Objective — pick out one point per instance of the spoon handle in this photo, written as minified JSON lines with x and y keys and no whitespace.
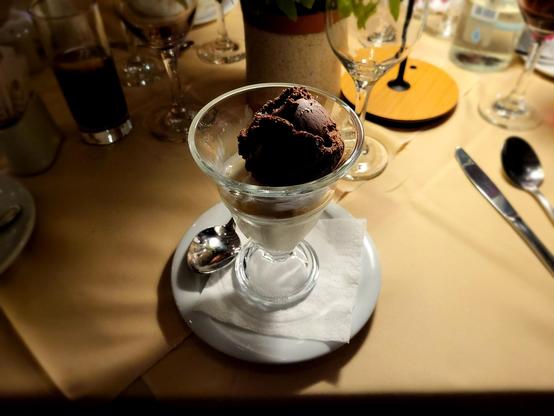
{"x":544,"y":203}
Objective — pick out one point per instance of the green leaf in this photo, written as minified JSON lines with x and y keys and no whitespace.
{"x":288,"y":8}
{"x":307,"y":3}
{"x":394,"y":6}
{"x":363,"y":11}
{"x":344,"y":7}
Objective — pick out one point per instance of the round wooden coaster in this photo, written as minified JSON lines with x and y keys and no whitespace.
{"x":432,"y":95}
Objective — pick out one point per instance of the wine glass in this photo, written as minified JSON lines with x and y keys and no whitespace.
{"x":369,"y":37}
{"x":223,"y":49}
{"x":163,"y":26}
{"x":512,"y":111}
{"x":138,"y":70}
{"x":274,"y":268}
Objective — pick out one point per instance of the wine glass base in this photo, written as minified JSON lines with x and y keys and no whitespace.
{"x":169,"y":124}
{"x":140,"y":73}
{"x":218,"y":53}
{"x":276,"y":282}
{"x":371,"y":163}
{"x":504,"y":113}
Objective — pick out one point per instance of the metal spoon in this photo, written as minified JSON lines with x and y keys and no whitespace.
{"x":9,"y":215}
{"x":213,"y":248}
{"x":522,"y":165}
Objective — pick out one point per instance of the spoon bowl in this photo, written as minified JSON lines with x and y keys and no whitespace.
{"x":523,"y":167}
{"x":213,"y":248}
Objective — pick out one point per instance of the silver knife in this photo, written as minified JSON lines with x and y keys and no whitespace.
{"x":492,"y":194}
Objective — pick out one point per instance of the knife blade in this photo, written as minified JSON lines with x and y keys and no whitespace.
{"x":492,"y":194}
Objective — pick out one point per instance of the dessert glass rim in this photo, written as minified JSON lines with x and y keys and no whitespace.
{"x":267,"y":190}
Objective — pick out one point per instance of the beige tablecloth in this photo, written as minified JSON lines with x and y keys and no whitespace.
{"x":465,"y":306}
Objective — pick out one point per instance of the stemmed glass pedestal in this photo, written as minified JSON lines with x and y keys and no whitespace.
{"x":512,"y":111}
{"x":163,"y":25}
{"x":223,"y":49}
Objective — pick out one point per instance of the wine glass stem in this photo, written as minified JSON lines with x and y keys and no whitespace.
{"x":363,"y":91}
{"x":170,"y":58}
{"x":518,"y":92}
{"x":221,"y":28}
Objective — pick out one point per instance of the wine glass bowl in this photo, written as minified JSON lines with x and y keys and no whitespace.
{"x":275,"y":268}
{"x":369,"y":39}
{"x":538,"y":15}
{"x":163,"y":25}
{"x":513,"y":111}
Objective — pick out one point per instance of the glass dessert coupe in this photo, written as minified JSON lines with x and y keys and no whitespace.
{"x":275,"y":267}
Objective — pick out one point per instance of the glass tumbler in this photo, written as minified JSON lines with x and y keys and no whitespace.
{"x":73,"y":37}
{"x":276,"y":267}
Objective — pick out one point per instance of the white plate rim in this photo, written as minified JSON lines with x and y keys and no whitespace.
{"x":26,"y":221}
{"x":541,"y":66}
{"x":547,"y":70}
{"x":249,"y":346}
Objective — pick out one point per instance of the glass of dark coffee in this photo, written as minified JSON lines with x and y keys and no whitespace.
{"x":73,"y":37}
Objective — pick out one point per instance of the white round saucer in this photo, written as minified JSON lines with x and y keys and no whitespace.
{"x":14,"y":237}
{"x":250,"y":346}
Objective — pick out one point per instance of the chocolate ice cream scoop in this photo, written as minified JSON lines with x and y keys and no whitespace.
{"x":291,"y":140}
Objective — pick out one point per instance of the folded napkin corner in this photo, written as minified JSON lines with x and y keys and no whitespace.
{"x":326,"y":314}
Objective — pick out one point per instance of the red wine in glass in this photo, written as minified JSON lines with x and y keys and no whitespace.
{"x":539,"y":15}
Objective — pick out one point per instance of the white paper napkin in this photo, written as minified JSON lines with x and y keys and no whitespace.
{"x":326,"y":314}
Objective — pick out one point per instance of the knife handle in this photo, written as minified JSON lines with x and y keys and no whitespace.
{"x":533,"y":241}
